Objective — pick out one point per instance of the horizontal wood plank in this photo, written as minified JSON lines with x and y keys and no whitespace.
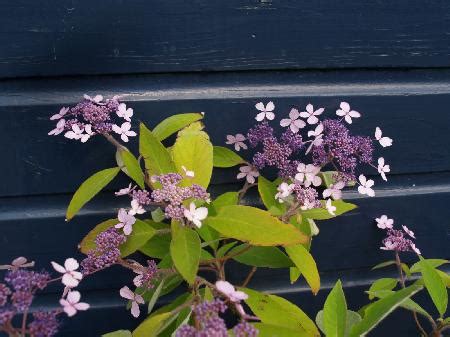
{"x":70,"y":37}
{"x":409,"y":106}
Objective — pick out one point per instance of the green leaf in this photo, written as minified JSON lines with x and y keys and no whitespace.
{"x":304,"y":261}
{"x":195,"y":153}
{"x":322,"y":214}
{"x":445,"y":277}
{"x":158,"y":246}
{"x":89,"y":188}
{"x":294,"y":274}
{"x":156,"y":157}
{"x":275,"y":310}
{"x":352,"y":318}
{"x":270,"y":257}
{"x":268,"y":330}
{"x":384,"y":264}
{"x":267,"y":190}
{"x":158,"y":215}
{"x":152,"y":325}
{"x":133,"y":169}
{"x":185,"y":251}
{"x":434,"y":263}
{"x":88,"y":242}
{"x":225,"y":248}
{"x":174,"y":123}
{"x":118,"y":333}
{"x":155,"y":296}
{"x":377,"y":311}
{"x":226,"y":199}
{"x":382,"y":284}
{"x":409,"y":304}
{"x":223,"y":157}
{"x":335,"y":312}
{"x":141,"y":233}
{"x":435,"y":286}
{"x":205,"y":255}
{"x":255,"y":226}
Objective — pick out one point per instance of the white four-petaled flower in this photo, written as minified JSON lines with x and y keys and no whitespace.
{"x":135,"y":299}
{"x":136,"y":208}
{"x":365,"y":186}
{"x":125,"y":191}
{"x":19,"y":262}
{"x":311,"y":114}
{"x":308,"y":174}
{"x":187,"y":172}
{"x":334,"y":190}
{"x":284,"y":190}
{"x":85,"y":136}
{"x":71,"y":277}
{"x":236,"y":140}
{"x":75,"y":133}
{"x":124,"y":131}
{"x":408,"y":231}
{"x":196,"y":215}
{"x":389,"y":245}
{"x":384,"y":222}
{"x":124,"y":113}
{"x":415,"y":249}
{"x":382,"y":168}
{"x":318,"y":137}
{"x":59,"y":128}
{"x":293,"y":122}
{"x":248,"y":172}
{"x":348,"y":114}
{"x":229,"y":291}
{"x":60,"y":114}
{"x":384,"y":141}
{"x":71,"y":304}
{"x":330,"y":208}
{"x":96,"y":99}
{"x":266,"y":111}
{"x":126,"y":221}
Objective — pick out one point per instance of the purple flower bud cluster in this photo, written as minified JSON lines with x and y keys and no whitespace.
{"x":341,"y":148}
{"x":210,"y":324}
{"x":146,"y":275}
{"x":306,"y":196}
{"x":397,"y":241}
{"x":141,"y":196}
{"x":245,"y":329}
{"x":106,"y":252}
{"x":44,"y":324}
{"x":275,"y":152}
{"x":4,"y":293}
{"x":174,"y":195}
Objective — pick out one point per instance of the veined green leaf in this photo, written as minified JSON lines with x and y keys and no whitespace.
{"x":185,"y":251}
{"x":434,"y":263}
{"x":174,"y":123}
{"x":152,"y":325}
{"x":156,"y":157}
{"x":267,"y":191}
{"x":335,"y":312}
{"x":195,"y":153}
{"x":224,"y":157}
{"x":322,"y":213}
{"x":384,"y":264}
{"x":155,"y":296}
{"x":89,"y":188}
{"x":133,"y":169}
{"x":118,"y":333}
{"x":304,"y":261}
{"x":255,"y":226}
{"x":435,"y":286}
{"x":352,"y":318}
{"x":225,"y":248}
{"x":275,"y":310}
{"x":268,"y":330}
{"x":382,"y":284}
{"x":294,"y":274}
{"x":141,"y":233}
{"x":271,"y":257}
{"x":226,"y":199}
{"x":157,"y":246}
{"x":377,"y":311}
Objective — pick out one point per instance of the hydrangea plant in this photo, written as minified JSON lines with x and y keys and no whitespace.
{"x":174,"y":232}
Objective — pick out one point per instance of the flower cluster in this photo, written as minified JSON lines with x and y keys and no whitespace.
{"x":106,"y":251}
{"x":93,"y":116}
{"x":397,"y":240}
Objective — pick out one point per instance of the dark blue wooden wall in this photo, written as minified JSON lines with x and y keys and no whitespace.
{"x":391,"y":59}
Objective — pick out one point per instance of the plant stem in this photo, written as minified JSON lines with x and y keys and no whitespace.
{"x":249,"y":277}
{"x":114,"y":142}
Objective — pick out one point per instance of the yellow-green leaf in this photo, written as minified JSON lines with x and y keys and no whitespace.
{"x":141,"y":233}
{"x":224,"y":157}
{"x":88,"y":242}
{"x":322,"y":213}
{"x":335,"y":312}
{"x":156,"y":157}
{"x":275,"y":310}
{"x":267,"y":190}
{"x":185,"y":251}
{"x":304,"y":261}
{"x":152,"y":325}
{"x":270,"y":257}
{"x":174,"y":123}
{"x":195,"y":153}
{"x":133,"y":169}
{"x":255,"y":226}
{"x":268,"y":330}
{"x":89,"y":188}
{"x":435,"y":286}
